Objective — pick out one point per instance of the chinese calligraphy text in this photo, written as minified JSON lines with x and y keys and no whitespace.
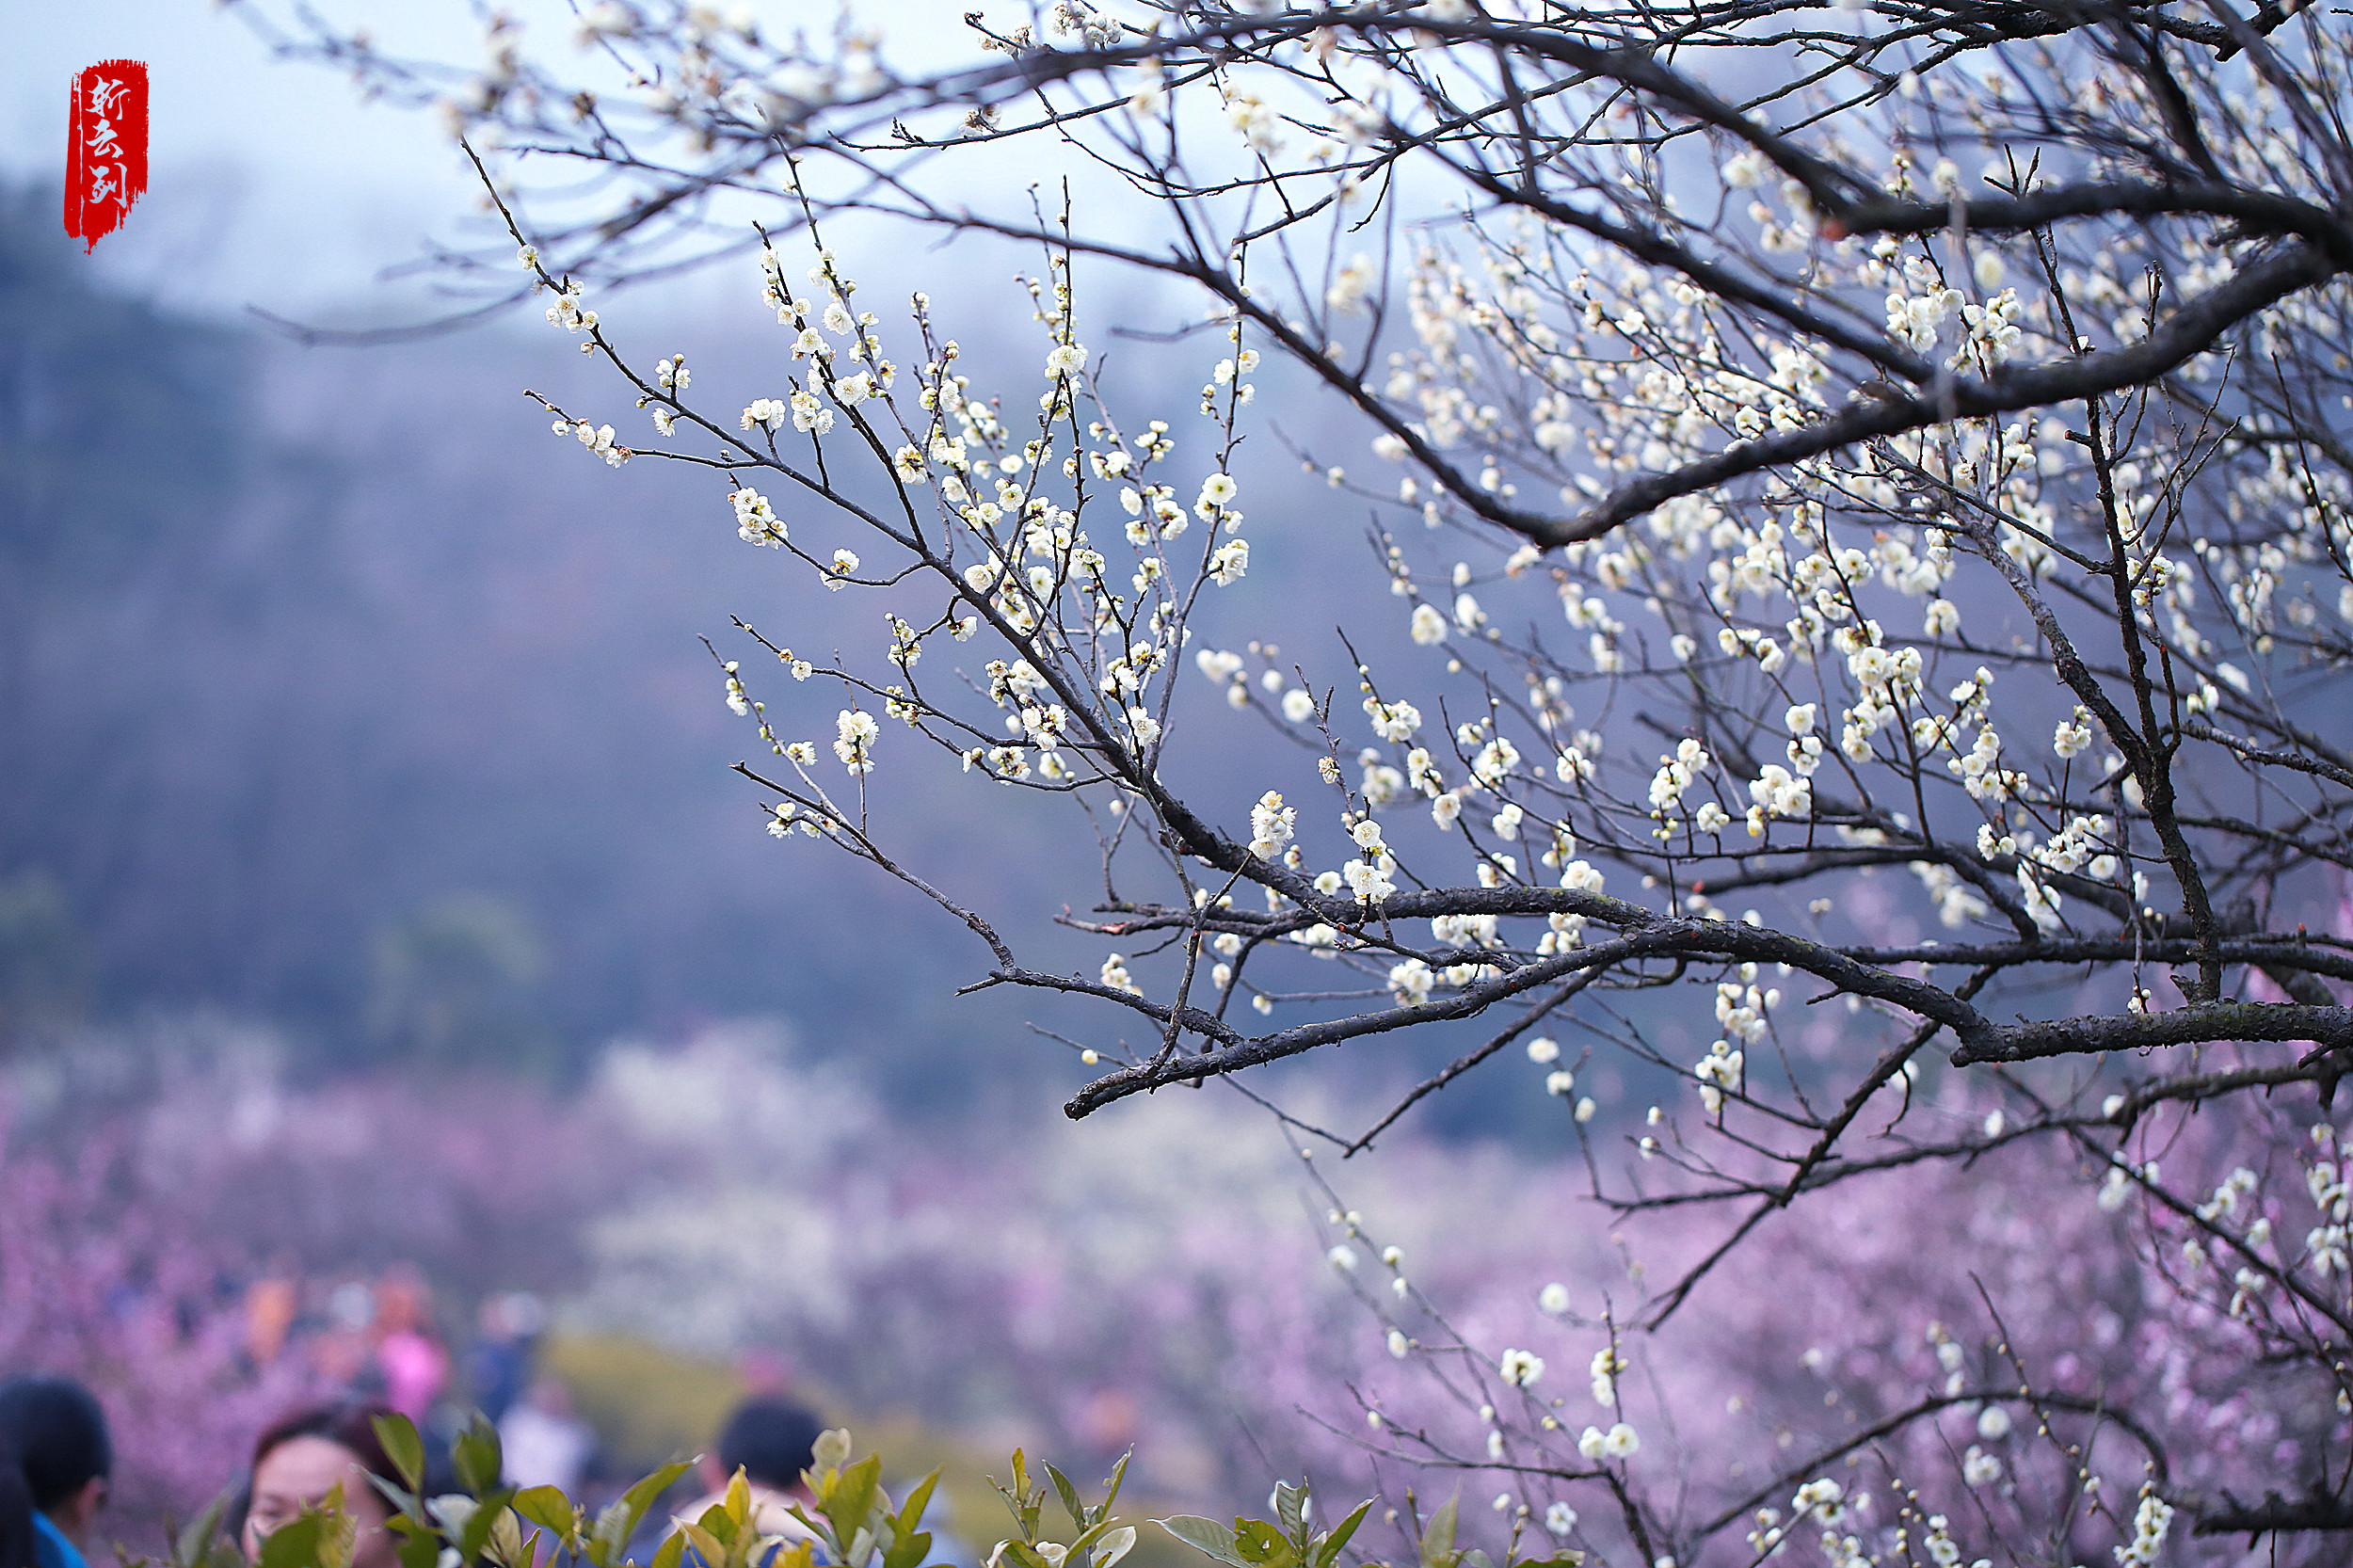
{"x":105,"y":149}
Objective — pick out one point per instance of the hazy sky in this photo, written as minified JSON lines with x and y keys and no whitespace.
{"x":270,"y":182}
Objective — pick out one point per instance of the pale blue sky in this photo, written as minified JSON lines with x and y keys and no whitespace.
{"x":270,"y":183}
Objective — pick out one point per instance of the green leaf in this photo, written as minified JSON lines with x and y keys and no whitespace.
{"x":477,"y":1456}
{"x":671,"y":1551}
{"x":294,"y":1543}
{"x":512,"y":1546}
{"x":911,"y":1511}
{"x":419,"y":1543}
{"x":908,"y":1550}
{"x":619,"y":1519}
{"x":707,"y":1547}
{"x":404,"y":1447}
{"x":476,"y":1534}
{"x":1437,"y":1537}
{"x":1089,"y":1536}
{"x":1328,"y":1546}
{"x":849,"y":1497}
{"x":1262,"y":1545}
{"x":723,"y":1521}
{"x":419,"y":1546}
{"x":1111,"y":1485}
{"x":638,"y":1498}
{"x":1069,"y":1495}
{"x":1019,"y":1499}
{"x":547,"y":1507}
{"x":194,"y":1545}
{"x":1205,"y":1535}
{"x":909,"y":1544}
{"x":1291,"y":1506}
{"x":1558,"y":1560}
{"x":402,"y":1501}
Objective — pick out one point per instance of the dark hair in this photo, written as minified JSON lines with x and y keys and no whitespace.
{"x":771,"y":1441}
{"x":349,"y":1422}
{"x":16,"y":1512}
{"x":59,"y":1434}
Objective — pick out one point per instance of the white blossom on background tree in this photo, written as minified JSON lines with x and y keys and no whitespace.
{"x":1879,"y":440}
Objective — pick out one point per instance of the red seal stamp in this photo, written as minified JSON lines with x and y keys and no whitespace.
{"x":105,"y":154}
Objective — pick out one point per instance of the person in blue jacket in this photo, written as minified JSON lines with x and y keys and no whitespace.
{"x":59,"y":1434}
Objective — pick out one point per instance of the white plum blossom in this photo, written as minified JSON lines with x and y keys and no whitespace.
{"x":1410,"y":982}
{"x":854,"y":739}
{"x":756,"y":523}
{"x":1271,"y":825}
{"x":1396,"y":722}
{"x":810,"y":415}
{"x":2073,"y":736}
{"x":1230,"y":560}
{"x":1371,"y":881}
{"x":1620,"y":1442}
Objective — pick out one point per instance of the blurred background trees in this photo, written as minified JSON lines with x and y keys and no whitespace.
{"x":296,"y":729}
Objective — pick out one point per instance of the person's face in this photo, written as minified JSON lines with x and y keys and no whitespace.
{"x":298,"y":1474}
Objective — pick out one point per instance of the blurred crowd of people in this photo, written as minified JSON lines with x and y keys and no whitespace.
{"x":377,"y":1342}
{"x":375,"y":1339}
